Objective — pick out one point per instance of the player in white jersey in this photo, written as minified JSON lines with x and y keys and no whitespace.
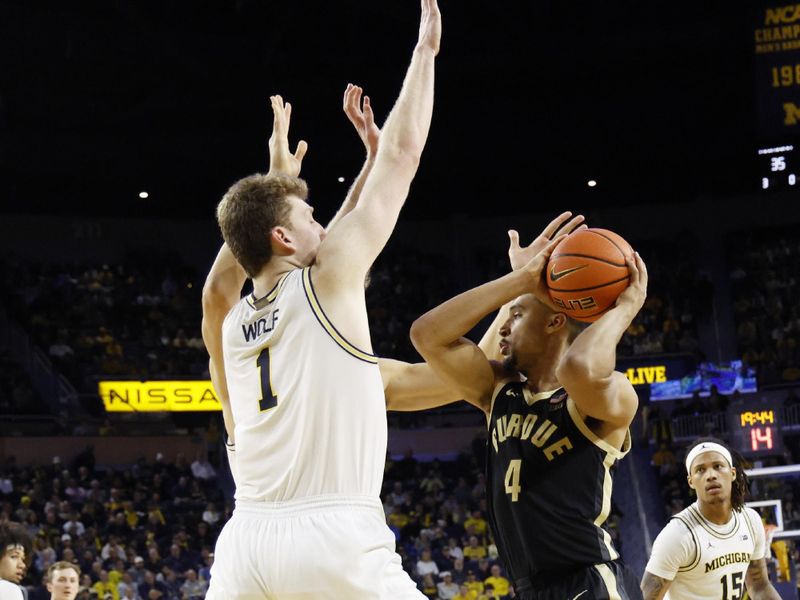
{"x":305,"y":394}
{"x":15,"y":553}
{"x":715,"y":547}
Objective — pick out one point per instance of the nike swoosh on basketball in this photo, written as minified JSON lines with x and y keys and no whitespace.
{"x":579,"y":595}
{"x":556,"y":276}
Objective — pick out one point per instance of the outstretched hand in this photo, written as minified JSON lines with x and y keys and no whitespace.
{"x":430,"y":26}
{"x":281,"y":159}
{"x":362,"y":117}
{"x":558,"y":227}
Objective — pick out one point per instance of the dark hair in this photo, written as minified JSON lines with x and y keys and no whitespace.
{"x":250,"y":209}
{"x":14,"y":534}
{"x":741,"y":485}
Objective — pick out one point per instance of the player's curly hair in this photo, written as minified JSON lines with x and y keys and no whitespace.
{"x":741,"y":485}
{"x":15,"y":534}
{"x":250,"y":209}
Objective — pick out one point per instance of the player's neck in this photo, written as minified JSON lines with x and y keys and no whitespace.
{"x":270,"y":274}
{"x":717,"y":513}
{"x":541,"y":370}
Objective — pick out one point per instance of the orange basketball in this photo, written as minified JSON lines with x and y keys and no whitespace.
{"x":587,"y":272}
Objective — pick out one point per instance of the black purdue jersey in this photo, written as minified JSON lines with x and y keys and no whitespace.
{"x":550,"y":483}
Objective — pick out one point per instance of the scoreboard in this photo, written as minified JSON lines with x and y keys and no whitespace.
{"x":756,"y":429}
{"x":776,"y":39}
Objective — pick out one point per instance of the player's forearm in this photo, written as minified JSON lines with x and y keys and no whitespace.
{"x":594,"y":351}
{"x":653,"y":588}
{"x":406,"y":128}
{"x":351,"y":201}
{"x":455,"y":318}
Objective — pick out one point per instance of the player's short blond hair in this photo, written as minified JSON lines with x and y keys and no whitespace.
{"x":60,"y":566}
{"x":249,"y":211}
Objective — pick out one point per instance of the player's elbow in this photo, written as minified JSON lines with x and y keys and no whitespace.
{"x":423,"y":334}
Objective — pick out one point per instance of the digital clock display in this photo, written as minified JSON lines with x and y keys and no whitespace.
{"x":756,"y":430}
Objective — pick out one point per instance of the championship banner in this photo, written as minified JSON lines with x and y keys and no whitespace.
{"x":158,"y":396}
{"x":776,"y":39}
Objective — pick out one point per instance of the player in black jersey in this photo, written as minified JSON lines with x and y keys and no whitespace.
{"x":558,"y":414}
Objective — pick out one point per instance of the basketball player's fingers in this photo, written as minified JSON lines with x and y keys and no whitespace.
{"x":573,"y":223}
{"x":554,"y":225}
{"x":345,"y":96}
{"x":548,"y":250}
{"x":368,"y":114}
{"x":643,"y":276}
{"x":633,"y":269}
{"x":513,"y":239}
{"x":287,"y":112}
{"x":302,"y":148}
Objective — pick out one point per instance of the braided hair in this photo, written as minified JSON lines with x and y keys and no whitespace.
{"x":739,"y":486}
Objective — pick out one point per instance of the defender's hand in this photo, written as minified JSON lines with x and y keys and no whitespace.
{"x":362,"y":118}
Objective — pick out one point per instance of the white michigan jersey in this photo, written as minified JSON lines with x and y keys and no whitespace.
{"x":308,"y":406}
{"x":704,"y":560}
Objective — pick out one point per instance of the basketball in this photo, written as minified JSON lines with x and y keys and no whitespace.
{"x":587,"y":272}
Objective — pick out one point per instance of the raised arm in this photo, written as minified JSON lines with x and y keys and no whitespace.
{"x":519,"y":256}
{"x":363,"y":120}
{"x":438,"y":334}
{"x":349,"y":250}
{"x":222,"y":290}
{"x":224,"y":282}
{"x":757,"y":581}
{"x":587,"y":369}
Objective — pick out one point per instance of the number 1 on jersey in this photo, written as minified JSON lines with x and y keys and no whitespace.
{"x":268,"y":398}
{"x":512,"y":478}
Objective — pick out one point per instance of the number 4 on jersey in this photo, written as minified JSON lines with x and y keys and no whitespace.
{"x":268,"y":398}
{"x":512,"y":478}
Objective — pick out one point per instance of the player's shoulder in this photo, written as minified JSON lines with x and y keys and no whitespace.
{"x":752,"y":516}
{"x":10,"y":591}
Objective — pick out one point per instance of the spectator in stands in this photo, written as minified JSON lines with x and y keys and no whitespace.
{"x":202,"y":469}
{"x":475,"y":550}
{"x":426,"y":565}
{"x":500,"y":584}
{"x":104,"y":586}
{"x":193,"y":588}
{"x":464,"y":593}
{"x":447,"y":588}
{"x":474,"y":585}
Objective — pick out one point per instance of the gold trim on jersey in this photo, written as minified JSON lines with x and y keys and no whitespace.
{"x":593,"y":437}
{"x":610,"y":580}
{"x":531,"y":398}
{"x":696,"y":560}
{"x":698,"y":517}
{"x":605,"y":507}
{"x":269,"y":297}
{"x":749,"y":524}
{"x":337,"y":337}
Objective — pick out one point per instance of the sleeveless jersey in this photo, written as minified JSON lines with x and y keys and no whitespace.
{"x":550,"y":483}
{"x":704,"y":560}
{"x":308,"y":406}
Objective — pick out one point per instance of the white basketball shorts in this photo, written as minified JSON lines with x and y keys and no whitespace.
{"x":322,"y":548}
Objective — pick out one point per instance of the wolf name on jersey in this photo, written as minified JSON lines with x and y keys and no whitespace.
{"x":308,"y":406}
{"x":550,"y":479}
{"x":704,"y":560}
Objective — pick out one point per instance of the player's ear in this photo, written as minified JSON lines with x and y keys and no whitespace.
{"x":733,"y":473}
{"x":689,"y":480}
{"x":281,"y":241}
{"x":556,"y":322}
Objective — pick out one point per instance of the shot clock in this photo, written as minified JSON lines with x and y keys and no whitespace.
{"x":756,"y":429}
